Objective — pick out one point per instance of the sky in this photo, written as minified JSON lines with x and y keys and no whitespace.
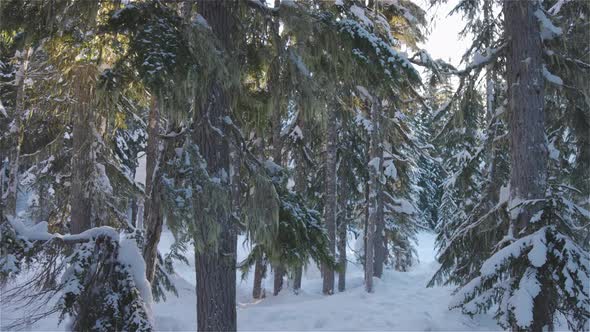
{"x":443,"y":41}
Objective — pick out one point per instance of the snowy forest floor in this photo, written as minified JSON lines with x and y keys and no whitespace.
{"x":401,"y":302}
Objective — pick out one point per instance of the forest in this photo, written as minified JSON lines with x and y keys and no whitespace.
{"x":223,"y":165}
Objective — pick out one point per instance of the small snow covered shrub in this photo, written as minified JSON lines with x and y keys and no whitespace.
{"x":96,"y":279}
{"x":544,"y":268}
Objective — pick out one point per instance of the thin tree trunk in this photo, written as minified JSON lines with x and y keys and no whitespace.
{"x":366,"y":221}
{"x":300,"y":188}
{"x":342,"y":224}
{"x":330,"y":203}
{"x":134,"y":209}
{"x":43,"y":201}
{"x":488,"y":19}
{"x":13,"y":180}
{"x":494,"y":187}
{"x":380,"y":239}
{"x":528,"y":178}
{"x":275,"y":82}
{"x":83,"y":156}
{"x":258,"y":291}
{"x":375,"y":165}
{"x":153,"y":217}
{"x":279,"y":273}
{"x":259,"y":272}
{"x":216,"y":267}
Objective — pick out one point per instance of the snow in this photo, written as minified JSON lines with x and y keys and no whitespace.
{"x":103,"y":183}
{"x":298,"y":61}
{"x":129,"y":255}
{"x":390,"y":170}
{"x":554,"y":10}
{"x":3,"y":110}
{"x":522,"y":300}
{"x":360,"y":14}
{"x":39,"y":232}
{"x":537,"y":255}
{"x":374,"y":163}
{"x":296,"y":134}
{"x":553,"y":151}
{"x":401,"y":301}
{"x":403,"y":206}
{"x":140,"y":171}
{"x":548,"y":30}
{"x":200,"y":20}
{"x":554,"y":79}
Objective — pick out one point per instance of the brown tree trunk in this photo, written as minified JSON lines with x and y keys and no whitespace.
{"x":258,"y":291}
{"x":300,"y":188}
{"x":82,"y":150}
{"x":342,"y":224}
{"x":275,"y":85}
{"x":259,"y":272}
{"x":216,"y":267}
{"x":375,"y":166}
{"x":528,"y":178}
{"x":13,"y":180}
{"x":330,"y":203}
{"x":366,"y":221}
{"x":153,"y":217}
{"x":380,"y":239}
{"x":279,"y":273}
{"x":43,"y":202}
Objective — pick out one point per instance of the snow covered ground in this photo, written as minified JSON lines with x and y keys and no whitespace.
{"x":401,"y":302}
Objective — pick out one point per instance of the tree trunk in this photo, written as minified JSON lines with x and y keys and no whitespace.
{"x":153,"y":217}
{"x":490,"y":88}
{"x":342,"y":224}
{"x":366,"y":221}
{"x":275,"y":86}
{"x":258,"y":291}
{"x":83,"y":156}
{"x":380,"y":239}
{"x":13,"y":180}
{"x":300,"y":188}
{"x":134,"y":210}
{"x":259,"y":272}
{"x":43,"y":202}
{"x":528,"y":178}
{"x":330,"y":203}
{"x":216,"y":266}
{"x":279,"y":273}
{"x":375,"y":166}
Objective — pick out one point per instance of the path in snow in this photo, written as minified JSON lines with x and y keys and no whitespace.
{"x":401,"y":302}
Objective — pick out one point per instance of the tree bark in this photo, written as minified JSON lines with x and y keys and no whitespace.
{"x":83,"y":155}
{"x":331,"y":202}
{"x":259,"y":272}
{"x":300,"y":188}
{"x":342,"y":224}
{"x":375,"y":166}
{"x":258,"y":291}
{"x":216,"y":267}
{"x":528,"y":178}
{"x":275,"y":86}
{"x":153,"y":217}
{"x":380,"y":239}
{"x":13,"y":179}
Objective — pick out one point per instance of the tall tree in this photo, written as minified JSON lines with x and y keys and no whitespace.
{"x":153,"y":216}
{"x":528,"y":145}
{"x":330,"y":206}
{"x":216,"y":265}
